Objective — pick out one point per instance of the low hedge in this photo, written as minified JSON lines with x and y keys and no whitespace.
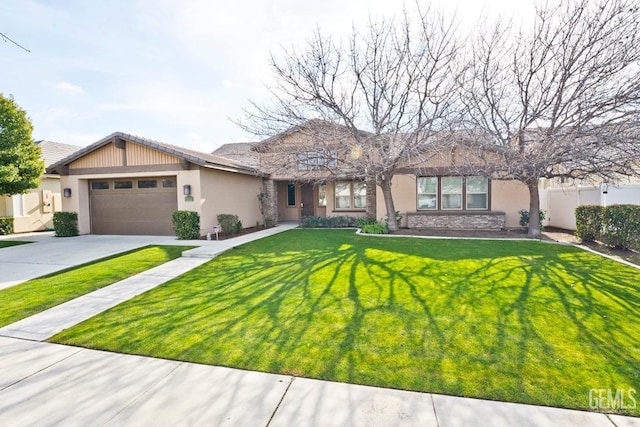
{"x":328,"y":222}
{"x":621,"y":225}
{"x":589,"y":222}
{"x":375,"y":228}
{"x":6,"y":225}
{"x":616,"y":225}
{"x":65,"y":224}
{"x":186,"y":224}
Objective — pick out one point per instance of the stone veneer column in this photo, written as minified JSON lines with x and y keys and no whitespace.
{"x":371,"y":199}
{"x":270,"y":188}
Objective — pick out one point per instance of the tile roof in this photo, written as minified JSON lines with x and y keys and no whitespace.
{"x":241,"y":152}
{"x":53,"y":152}
{"x":193,"y":156}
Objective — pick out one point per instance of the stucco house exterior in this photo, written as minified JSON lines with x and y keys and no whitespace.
{"x":33,"y":211}
{"x":433,"y":195}
{"x":126,"y":184}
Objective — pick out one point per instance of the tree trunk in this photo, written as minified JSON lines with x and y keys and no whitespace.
{"x":385,"y":185}
{"x":534,"y":211}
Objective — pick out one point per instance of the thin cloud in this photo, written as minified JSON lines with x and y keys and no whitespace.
{"x":69,"y":88}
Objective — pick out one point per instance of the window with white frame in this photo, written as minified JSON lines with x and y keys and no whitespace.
{"x":428,"y":193}
{"x":452,"y":193}
{"x":317,"y":160}
{"x":477,"y":188}
{"x":451,"y":187}
{"x":350,"y":195}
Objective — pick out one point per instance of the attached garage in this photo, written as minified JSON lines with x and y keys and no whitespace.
{"x":126,"y":184}
{"x":132,"y":205}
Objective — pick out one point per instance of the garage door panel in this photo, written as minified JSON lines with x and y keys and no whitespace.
{"x":133,"y":211}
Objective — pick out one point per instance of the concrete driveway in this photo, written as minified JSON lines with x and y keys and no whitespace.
{"x":48,"y":254}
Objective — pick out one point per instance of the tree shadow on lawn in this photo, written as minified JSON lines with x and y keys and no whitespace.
{"x":516,"y":321}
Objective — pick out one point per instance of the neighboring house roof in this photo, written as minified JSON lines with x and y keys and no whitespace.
{"x":196,"y":157}
{"x":53,"y":152}
{"x":241,"y":152}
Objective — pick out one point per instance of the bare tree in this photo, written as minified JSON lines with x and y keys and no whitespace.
{"x":559,"y":99}
{"x":370,"y":106}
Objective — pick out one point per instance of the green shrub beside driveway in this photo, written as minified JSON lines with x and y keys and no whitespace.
{"x":519,"y":321}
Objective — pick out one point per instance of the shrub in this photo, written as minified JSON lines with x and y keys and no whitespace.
{"x":375,"y":228}
{"x":238,"y":226}
{"x":229,"y":223}
{"x":366,"y":221}
{"x":399,"y":217}
{"x":524,"y":218}
{"x":589,"y":222}
{"x":65,"y":224}
{"x":328,"y":222}
{"x":186,"y":224}
{"x":6,"y":225}
{"x":621,"y":225}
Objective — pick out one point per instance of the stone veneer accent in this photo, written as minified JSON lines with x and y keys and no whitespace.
{"x":457,"y":220}
{"x":271,"y":209}
{"x":371,"y":199}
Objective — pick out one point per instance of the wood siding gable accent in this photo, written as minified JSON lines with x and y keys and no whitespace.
{"x":104,"y":157}
{"x":139,"y":155}
{"x":131,"y":154}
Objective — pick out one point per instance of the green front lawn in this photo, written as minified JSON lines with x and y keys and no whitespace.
{"x":34,"y":296}
{"x":7,"y":243}
{"x":519,"y":321}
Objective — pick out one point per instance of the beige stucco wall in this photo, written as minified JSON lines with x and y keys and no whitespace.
{"x":287,"y":213}
{"x":34,"y":216}
{"x":3,"y":205}
{"x":227,"y":193}
{"x":509,"y":197}
{"x":403,"y":189}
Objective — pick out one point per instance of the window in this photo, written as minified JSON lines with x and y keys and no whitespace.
{"x":477,"y":192}
{"x":100,"y":185}
{"x":428,"y":193}
{"x":317,"y":160}
{"x":350,"y":195}
{"x":322,"y":195}
{"x":359,"y":195}
{"x":169,"y":183}
{"x":147,"y":183}
{"x":343,"y":195}
{"x":451,"y":192}
{"x":291,"y":194}
{"x":119,"y":185}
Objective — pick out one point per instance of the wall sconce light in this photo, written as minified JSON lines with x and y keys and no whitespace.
{"x":186,"y":190}
{"x":66,"y":192}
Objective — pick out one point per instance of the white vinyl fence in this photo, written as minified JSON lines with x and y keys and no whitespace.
{"x":560,"y":203}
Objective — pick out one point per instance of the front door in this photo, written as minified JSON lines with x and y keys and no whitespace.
{"x":307,"y":198}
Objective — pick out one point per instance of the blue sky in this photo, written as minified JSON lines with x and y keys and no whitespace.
{"x":170,"y":70}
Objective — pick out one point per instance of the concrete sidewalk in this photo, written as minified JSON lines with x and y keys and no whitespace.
{"x":49,"y":384}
